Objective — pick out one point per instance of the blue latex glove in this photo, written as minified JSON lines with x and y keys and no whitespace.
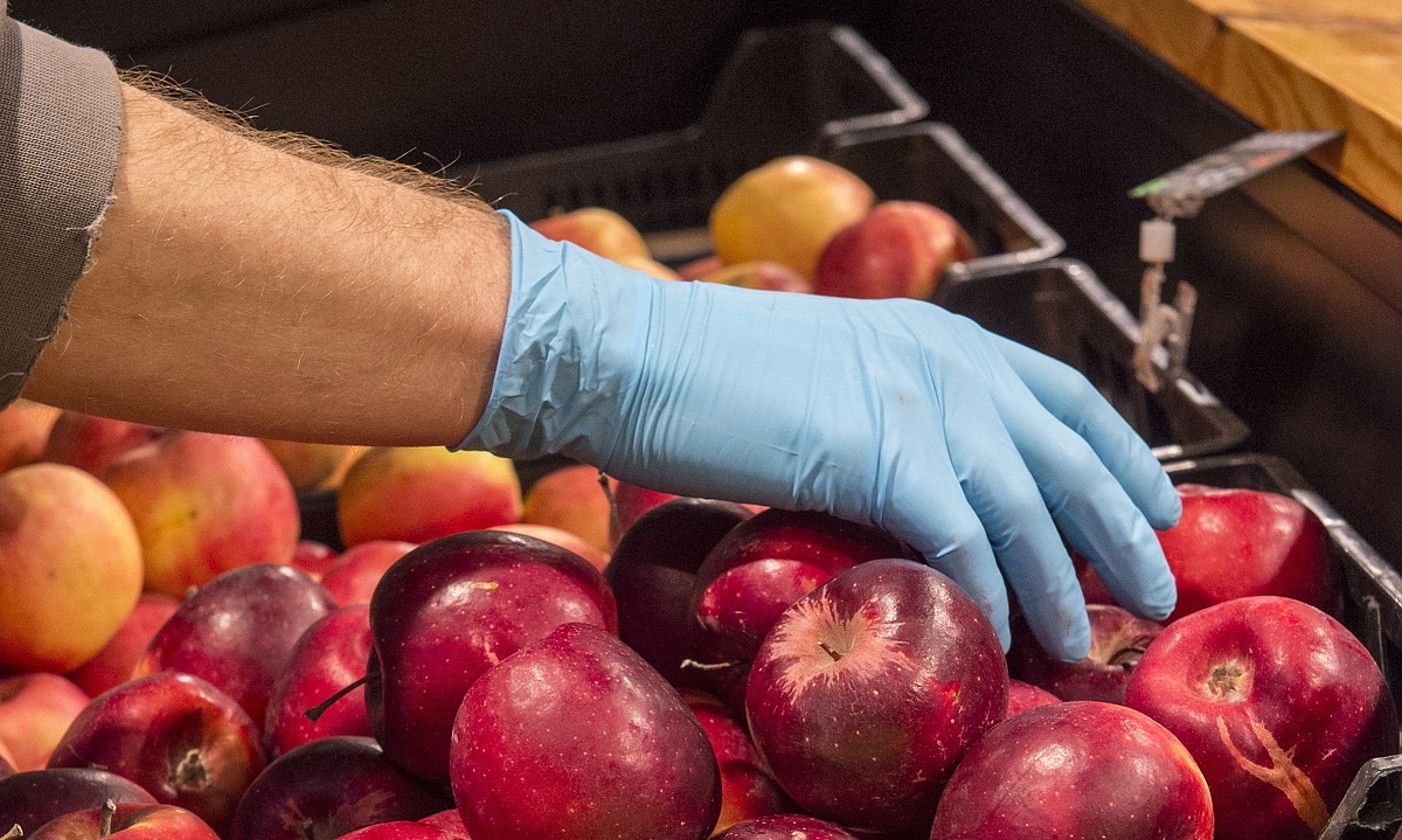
{"x":972,"y":448}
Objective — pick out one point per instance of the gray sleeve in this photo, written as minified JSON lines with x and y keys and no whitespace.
{"x":60,"y":126}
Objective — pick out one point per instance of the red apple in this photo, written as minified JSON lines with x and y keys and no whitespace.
{"x":313,"y":558}
{"x":35,"y":711}
{"x":786,"y":827}
{"x":572,"y":500}
{"x":177,"y":736}
{"x":313,"y":466}
{"x":768,"y":276}
{"x":1023,"y":696}
{"x":204,"y":504}
{"x":449,"y":822}
{"x":70,"y":567}
{"x":24,"y":429}
{"x":92,"y":443}
{"x":1278,"y":703}
{"x":34,"y":799}
{"x":331,"y":655}
{"x":114,"y":664}
{"x":398,"y":830}
{"x":698,"y":268}
{"x":1076,"y":770}
{"x":564,"y":539}
{"x":869,"y":689}
{"x":1118,"y":640}
{"x":638,"y":766}
{"x":602,"y":231}
{"x":1234,"y":543}
{"x":128,"y":822}
{"x":329,"y":788}
{"x":634,"y":501}
{"x":653,"y":573}
{"x":747,"y":790}
{"x":510,"y":590}
{"x":7,"y":761}
{"x":355,"y":574}
{"x":899,"y":249}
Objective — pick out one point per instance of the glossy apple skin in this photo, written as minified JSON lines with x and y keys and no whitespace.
{"x":757,"y":571}
{"x":634,"y":501}
{"x":638,"y":767}
{"x":177,"y":736}
{"x":564,"y":539}
{"x":747,"y":790}
{"x":786,"y":827}
{"x":595,"y":229}
{"x":869,"y":690}
{"x":1233,"y":543}
{"x":129,"y":822}
{"x":115,"y":663}
{"x":1076,"y":770}
{"x":572,"y":500}
{"x":1118,"y":640}
{"x":35,"y":711}
{"x":1279,"y":704}
{"x":329,"y":788}
{"x":417,"y":494}
{"x":313,"y":558}
{"x":239,"y":631}
{"x":70,"y":567}
{"x":92,"y":443}
{"x":331,"y":655}
{"x":899,"y":249}
{"x":24,"y":430}
{"x":653,"y":575}
{"x":449,"y":822}
{"x":398,"y":830}
{"x":510,"y":589}
{"x":33,"y":799}
{"x":355,"y":574}
{"x":1023,"y":696}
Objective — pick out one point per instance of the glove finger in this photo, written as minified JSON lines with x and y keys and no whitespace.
{"x":1073,"y":400}
{"x":1092,"y":508}
{"x":1007,"y":500}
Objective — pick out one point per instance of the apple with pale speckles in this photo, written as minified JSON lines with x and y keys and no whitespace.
{"x":1023,"y":696}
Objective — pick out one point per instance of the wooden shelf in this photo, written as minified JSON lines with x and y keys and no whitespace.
{"x":1292,"y":64}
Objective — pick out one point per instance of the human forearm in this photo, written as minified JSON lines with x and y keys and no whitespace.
{"x":238,"y":287}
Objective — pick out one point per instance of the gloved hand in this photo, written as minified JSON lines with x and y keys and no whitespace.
{"x":972,"y":448}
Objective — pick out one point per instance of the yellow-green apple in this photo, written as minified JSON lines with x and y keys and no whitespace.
{"x":329,"y":788}
{"x":768,"y":276}
{"x":177,"y":736}
{"x":593,"y":228}
{"x":35,"y":710}
{"x":70,"y":567}
{"x":1279,"y":704}
{"x":128,"y":822}
{"x":417,"y":494}
{"x":32,"y":800}
{"x":355,"y":574}
{"x":24,"y":430}
{"x":1023,"y":696}
{"x":92,"y":443}
{"x":564,"y":539}
{"x":1118,"y":640}
{"x":511,"y":590}
{"x":747,"y":790}
{"x":115,"y":663}
{"x":868,"y":691}
{"x":313,"y":558}
{"x":1234,"y":543}
{"x":572,"y":499}
{"x":899,"y":249}
{"x":638,"y":766}
{"x":786,"y":827}
{"x":239,"y":632}
{"x":331,"y":655}
{"x":204,"y":504}
{"x":1077,"y":771}
{"x":313,"y":466}
{"x":786,"y":211}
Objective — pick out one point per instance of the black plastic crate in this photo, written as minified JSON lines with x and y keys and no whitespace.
{"x":1061,"y":309}
{"x":1372,"y":591}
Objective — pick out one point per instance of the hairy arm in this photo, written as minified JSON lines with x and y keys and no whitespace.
{"x":261,"y":285}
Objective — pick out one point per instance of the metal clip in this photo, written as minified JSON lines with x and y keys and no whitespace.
{"x":1165,"y":328}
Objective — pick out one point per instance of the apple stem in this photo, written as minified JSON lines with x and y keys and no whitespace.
{"x":13,"y":834}
{"x":707,"y":666}
{"x":104,"y":821}
{"x":830,"y":652}
{"x":314,"y":714}
{"x":615,"y":524}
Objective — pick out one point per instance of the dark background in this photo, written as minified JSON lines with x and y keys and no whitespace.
{"x":1300,"y":317}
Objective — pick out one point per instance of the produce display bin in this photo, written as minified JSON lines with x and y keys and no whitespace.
{"x":1372,"y":591}
{"x":1061,"y":309}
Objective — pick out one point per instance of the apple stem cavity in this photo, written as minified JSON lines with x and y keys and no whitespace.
{"x":13,"y":833}
{"x":1224,"y":681}
{"x":104,"y":820}
{"x":190,"y":773}
{"x":831,"y":651}
{"x":707,"y":666}
{"x":314,"y":714}
{"x":1127,"y":659}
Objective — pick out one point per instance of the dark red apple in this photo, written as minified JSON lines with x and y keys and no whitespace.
{"x":634,"y":501}
{"x":785,"y":827}
{"x":1118,"y":640}
{"x":331,"y":655}
{"x":114,"y":664}
{"x":1077,"y":770}
{"x":354,"y":575}
{"x":747,"y":790}
{"x":314,"y":558}
{"x":453,"y":608}
{"x":180,"y":738}
{"x":33,"y":799}
{"x":1278,"y":703}
{"x":329,"y":788}
{"x":1234,"y":543}
{"x":449,"y":822}
{"x":7,"y":767}
{"x":127,"y":822}
{"x":1023,"y":696}
{"x":398,"y":830}
{"x":576,"y":736}
{"x":869,"y":690}
{"x":238,"y":632}
{"x":653,"y":573}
